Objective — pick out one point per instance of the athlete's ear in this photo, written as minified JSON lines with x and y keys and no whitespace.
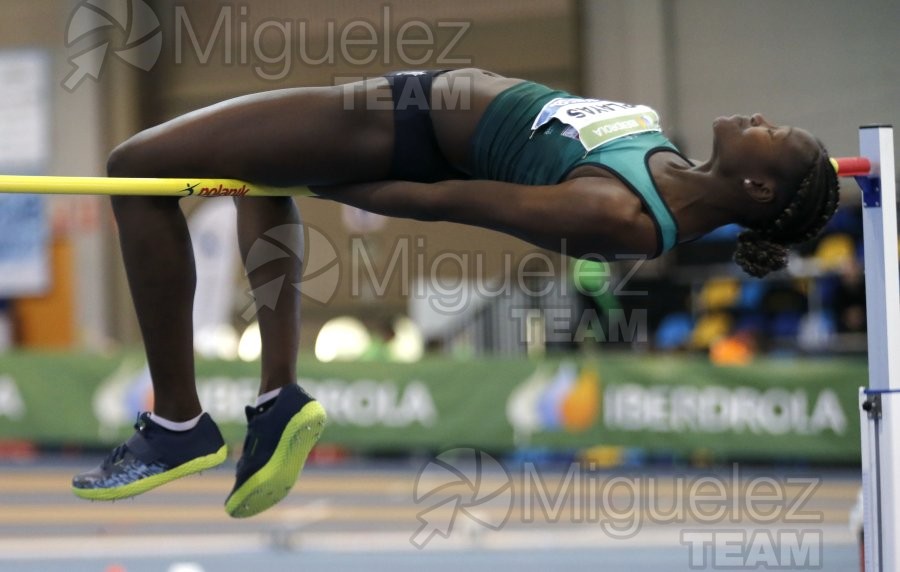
{"x":762,"y":191}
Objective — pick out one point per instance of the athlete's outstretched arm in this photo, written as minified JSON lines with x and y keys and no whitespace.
{"x":592,"y":215}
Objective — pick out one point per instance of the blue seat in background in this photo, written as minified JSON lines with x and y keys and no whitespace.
{"x":827,"y":287}
{"x":751,"y":322}
{"x":752,"y":294}
{"x":674,"y":331}
{"x":785,"y":325}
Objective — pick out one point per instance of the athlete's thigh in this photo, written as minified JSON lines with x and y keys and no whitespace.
{"x":320,"y":135}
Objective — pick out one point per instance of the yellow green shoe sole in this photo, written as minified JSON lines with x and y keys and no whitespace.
{"x":143,"y":485}
{"x":274,"y":480}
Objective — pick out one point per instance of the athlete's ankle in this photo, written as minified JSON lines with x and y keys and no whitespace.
{"x":175,"y":425}
{"x":177,"y":413}
{"x":268,"y":396}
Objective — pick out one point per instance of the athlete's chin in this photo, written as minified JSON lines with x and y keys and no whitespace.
{"x":728,"y":120}
{"x":720,"y":123}
{"x":725,"y":126}
{"x":719,"y":126}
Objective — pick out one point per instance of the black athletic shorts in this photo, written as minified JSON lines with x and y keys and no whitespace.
{"x":417,"y":156}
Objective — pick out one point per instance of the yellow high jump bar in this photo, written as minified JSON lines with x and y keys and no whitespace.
{"x":143,"y":187}
{"x":50,"y":185}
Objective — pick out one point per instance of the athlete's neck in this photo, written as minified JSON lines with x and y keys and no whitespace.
{"x":699,"y":201}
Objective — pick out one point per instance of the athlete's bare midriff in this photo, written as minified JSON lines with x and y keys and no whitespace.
{"x":458,"y":100}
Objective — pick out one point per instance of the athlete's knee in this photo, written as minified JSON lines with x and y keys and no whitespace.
{"x":124,"y":160}
{"x":149,"y":153}
{"x":120,"y":164}
{"x":117,"y":163}
{"x":129,"y":159}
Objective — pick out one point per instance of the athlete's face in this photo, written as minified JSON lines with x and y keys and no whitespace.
{"x":755,"y":148}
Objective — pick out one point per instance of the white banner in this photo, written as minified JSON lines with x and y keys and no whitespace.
{"x":24,"y":242}
{"x":213,"y":227}
{"x":24,"y":148}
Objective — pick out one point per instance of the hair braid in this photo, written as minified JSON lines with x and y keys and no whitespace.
{"x":764,"y":249}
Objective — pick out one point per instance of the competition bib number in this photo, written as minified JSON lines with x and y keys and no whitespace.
{"x":597,"y":121}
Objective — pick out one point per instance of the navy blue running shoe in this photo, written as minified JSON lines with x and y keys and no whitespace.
{"x":152,"y":457}
{"x":280,"y":435}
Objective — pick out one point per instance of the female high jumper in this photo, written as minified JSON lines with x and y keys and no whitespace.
{"x":580,"y":176}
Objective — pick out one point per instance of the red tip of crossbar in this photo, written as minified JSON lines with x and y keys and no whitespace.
{"x":851,"y":166}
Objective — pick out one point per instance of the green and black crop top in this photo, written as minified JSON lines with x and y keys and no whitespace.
{"x":507,"y":148}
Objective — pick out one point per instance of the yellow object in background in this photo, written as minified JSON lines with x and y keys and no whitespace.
{"x":719,"y":293}
{"x":603,"y":456}
{"x":710,"y":329}
{"x":582,"y":405}
{"x":48,"y":321}
{"x":834,"y":251}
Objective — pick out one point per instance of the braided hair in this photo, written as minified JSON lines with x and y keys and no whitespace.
{"x":764,"y":248}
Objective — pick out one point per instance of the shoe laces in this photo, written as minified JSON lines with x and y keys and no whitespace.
{"x":117,"y":454}
{"x":141,"y":422}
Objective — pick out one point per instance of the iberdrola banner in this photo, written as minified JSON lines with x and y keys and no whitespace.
{"x":773,"y":410}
